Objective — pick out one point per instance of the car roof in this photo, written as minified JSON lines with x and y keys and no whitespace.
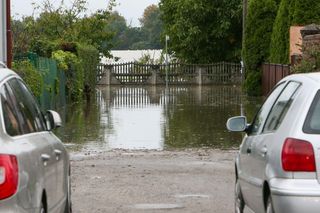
{"x":5,"y":72}
{"x":306,"y":77}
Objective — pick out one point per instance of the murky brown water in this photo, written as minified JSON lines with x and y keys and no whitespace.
{"x":156,"y":118}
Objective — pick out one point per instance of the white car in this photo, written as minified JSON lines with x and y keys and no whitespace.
{"x":34,"y":165}
{"x":278,"y":166}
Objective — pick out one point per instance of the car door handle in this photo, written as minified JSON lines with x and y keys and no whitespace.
{"x":57,"y":152}
{"x":45,"y":157}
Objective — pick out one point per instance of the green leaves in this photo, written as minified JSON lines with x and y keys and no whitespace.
{"x":203,"y":31}
{"x":260,"y":19}
{"x":30,"y":75}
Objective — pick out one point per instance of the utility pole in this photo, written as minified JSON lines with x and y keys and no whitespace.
{"x":3,"y":35}
{"x":9,"y":34}
{"x":167,"y":63}
{"x":244,"y":19}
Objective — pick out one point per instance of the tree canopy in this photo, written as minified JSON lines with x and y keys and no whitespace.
{"x":203,"y":31}
{"x":145,"y":37}
{"x":291,"y":13}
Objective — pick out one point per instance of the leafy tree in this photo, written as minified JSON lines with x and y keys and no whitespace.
{"x":305,"y":12}
{"x":118,"y":26}
{"x":290,"y":13}
{"x":62,"y":27}
{"x":260,"y":19}
{"x":203,"y":31}
{"x":145,"y":37}
{"x":279,"y":47}
{"x":151,"y":25}
{"x":93,"y":31}
{"x":22,"y":35}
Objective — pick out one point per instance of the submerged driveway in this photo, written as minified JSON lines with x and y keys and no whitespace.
{"x":150,"y":181}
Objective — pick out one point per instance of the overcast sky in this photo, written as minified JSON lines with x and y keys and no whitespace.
{"x":132,"y":10}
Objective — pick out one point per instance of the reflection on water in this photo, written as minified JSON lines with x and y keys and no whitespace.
{"x":156,"y":118}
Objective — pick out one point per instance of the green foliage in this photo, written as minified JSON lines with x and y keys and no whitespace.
{"x":305,"y":12}
{"x":291,"y":13}
{"x":279,"y":48}
{"x":145,"y":37}
{"x":253,"y":83}
{"x":89,"y":60}
{"x":30,"y":75}
{"x":203,"y":31}
{"x":146,"y":58}
{"x":71,"y":65}
{"x":152,"y":27}
{"x":310,"y":59}
{"x":260,"y":19}
{"x":64,"y":59}
{"x":58,"y":24}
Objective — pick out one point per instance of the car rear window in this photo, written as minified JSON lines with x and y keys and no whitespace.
{"x":312,"y":122}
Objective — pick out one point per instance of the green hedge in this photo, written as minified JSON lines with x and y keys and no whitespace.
{"x":279,"y":48}
{"x":260,"y":19}
{"x":89,"y":60}
{"x":291,"y":13}
{"x":71,"y":65}
{"x":30,"y":75}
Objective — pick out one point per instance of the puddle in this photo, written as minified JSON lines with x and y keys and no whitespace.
{"x":155,"y":118}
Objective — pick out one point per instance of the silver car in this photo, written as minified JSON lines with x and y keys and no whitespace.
{"x":34,"y":165}
{"x":278,"y":166}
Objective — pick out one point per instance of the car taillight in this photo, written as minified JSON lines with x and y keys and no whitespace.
{"x":8,"y":176}
{"x":298,"y":156}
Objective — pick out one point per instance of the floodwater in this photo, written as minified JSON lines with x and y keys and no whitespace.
{"x":156,"y":118}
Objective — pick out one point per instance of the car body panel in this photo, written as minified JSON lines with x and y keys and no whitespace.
{"x":37,"y":178}
{"x":290,"y":191}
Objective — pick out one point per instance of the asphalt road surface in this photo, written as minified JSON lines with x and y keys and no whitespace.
{"x":152,"y":181}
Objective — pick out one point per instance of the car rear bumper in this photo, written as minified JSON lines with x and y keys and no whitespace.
{"x":12,"y":205}
{"x":295,"y":195}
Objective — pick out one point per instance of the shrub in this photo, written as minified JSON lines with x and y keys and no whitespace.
{"x":30,"y":75}
{"x":310,"y":59}
{"x":89,"y":60}
{"x":71,"y":65}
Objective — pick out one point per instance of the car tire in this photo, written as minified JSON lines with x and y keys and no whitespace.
{"x":42,"y":208}
{"x":269,"y":205}
{"x":68,"y":207}
{"x":238,"y":202}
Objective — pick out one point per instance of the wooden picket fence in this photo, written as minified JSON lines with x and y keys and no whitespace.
{"x":134,"y":73}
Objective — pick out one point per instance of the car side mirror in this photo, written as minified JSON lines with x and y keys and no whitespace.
{"x":53,"y":120}
{"x":237,"y":124}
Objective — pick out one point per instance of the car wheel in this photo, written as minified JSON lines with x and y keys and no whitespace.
{"x":42,"y":209}
{"x":239,"y":202}
{"x":269,"y":206}
{"x":68,"y":208}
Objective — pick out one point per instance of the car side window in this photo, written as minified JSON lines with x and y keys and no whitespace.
{"x":281,"y":106}
{"x":10,"y":116}
{"x":26,"y":105}
{"x":312,"y":122}
{"x":262,"y":114}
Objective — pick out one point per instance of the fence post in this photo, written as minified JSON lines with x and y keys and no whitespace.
{"x":155,"y":78}
{"x":199,"y":75}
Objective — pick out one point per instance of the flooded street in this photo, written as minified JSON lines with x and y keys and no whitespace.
{"x":155,"y":118}
{"x":152,"y":149}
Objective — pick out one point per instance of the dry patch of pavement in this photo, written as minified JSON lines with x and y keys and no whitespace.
{"x":153,"y":181}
